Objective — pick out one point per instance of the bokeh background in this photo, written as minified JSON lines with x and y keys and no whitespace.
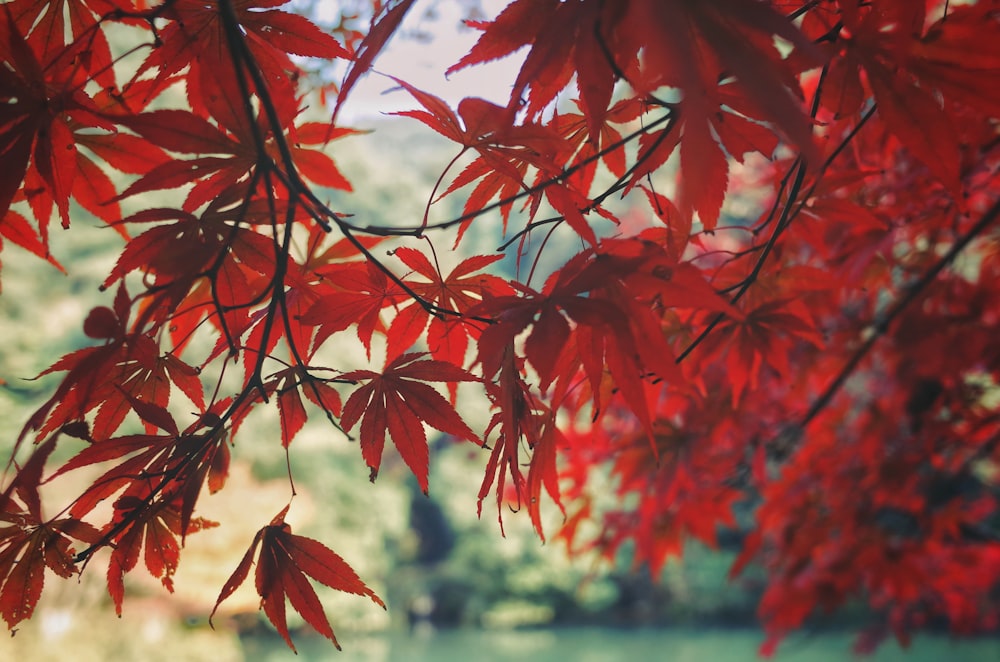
{"x":456,"y":589}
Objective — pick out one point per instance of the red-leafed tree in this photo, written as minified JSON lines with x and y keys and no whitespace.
{"x":830,"y":358}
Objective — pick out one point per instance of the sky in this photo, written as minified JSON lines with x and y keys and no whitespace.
{"x":422,"y":63}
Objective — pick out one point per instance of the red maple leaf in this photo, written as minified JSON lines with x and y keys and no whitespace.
{"x":286,"y":384}
{"x":942,"y":59}
{"x":42,"y":104}
{"x":154,"y":529}
{"x":284,"y":566}
{"x":27,"y":548}
{"x":195,"y":37}
{"x":353,"y":294}
{"x":399,"y":401}
{"x":455,"y":294}
{"x":505,"y":150}
{"x":565,"y":38}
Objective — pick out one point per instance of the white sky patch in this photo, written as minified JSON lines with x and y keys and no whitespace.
{"x":422,"y":63}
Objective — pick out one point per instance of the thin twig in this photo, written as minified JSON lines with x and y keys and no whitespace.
{"x":882,"y":324}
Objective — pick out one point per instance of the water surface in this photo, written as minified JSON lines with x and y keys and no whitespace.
{"x":607,"y":645}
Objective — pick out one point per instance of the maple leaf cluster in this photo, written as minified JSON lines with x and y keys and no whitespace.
{"x":829,"y":359}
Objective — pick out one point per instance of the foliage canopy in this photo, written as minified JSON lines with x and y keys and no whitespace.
{"x":831,"y":358}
